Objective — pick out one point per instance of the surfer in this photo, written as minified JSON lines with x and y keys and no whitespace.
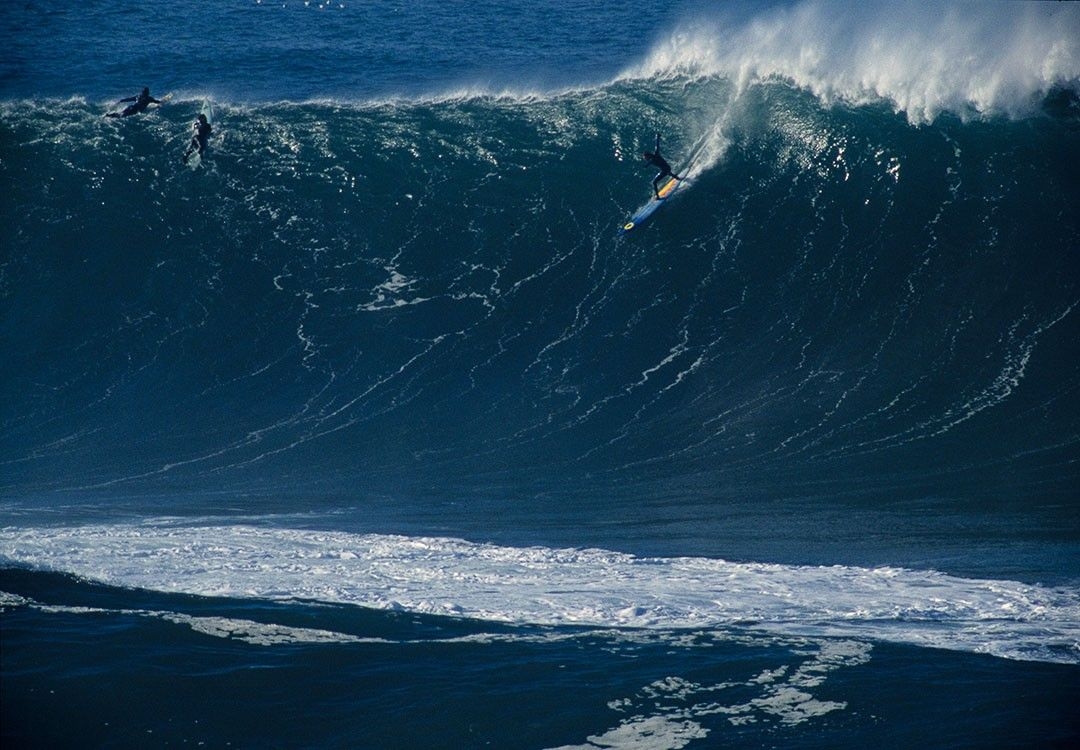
{"x":140,"y":103}
{"x":199,"y":137}
{"x":653,"y":157}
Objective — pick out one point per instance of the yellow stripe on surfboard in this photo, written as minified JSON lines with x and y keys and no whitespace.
{"x":665,"y":191}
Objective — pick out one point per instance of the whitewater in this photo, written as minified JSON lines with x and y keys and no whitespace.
{"x":541,"y":586}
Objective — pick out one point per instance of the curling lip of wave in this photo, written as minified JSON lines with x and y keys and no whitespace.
{"x":926,"y":59}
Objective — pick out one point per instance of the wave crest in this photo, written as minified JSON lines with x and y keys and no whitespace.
{"x":970,"y":59}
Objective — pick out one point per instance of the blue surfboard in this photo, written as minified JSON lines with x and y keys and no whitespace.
{"x":668,"y":189}
{"x":642,"y":215}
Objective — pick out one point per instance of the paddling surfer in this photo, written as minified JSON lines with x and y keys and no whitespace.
{"x":199,"y":137}
{"x":139,"y":104}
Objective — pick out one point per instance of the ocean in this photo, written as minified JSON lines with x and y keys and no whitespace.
{"x":370,"y":429}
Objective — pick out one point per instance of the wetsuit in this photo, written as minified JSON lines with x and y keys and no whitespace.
{"x":199,"y":138}
{"x":141,"y":102}
{"x":657,"y":160}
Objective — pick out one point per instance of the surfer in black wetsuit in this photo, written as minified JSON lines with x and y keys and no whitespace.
{"x":654,"y":158}
{"x":199,"y":137}
{"x":140,"y":103}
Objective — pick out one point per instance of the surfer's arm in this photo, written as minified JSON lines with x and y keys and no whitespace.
{"x":129,"y":99}
{"x":155,"y":101}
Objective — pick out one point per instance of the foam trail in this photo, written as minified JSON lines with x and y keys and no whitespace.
{"x":546,"y":586}
{"x":925,"y":59}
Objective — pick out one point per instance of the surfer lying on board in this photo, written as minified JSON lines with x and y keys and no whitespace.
{"x":654,"y":158}
{"x":141,"y":102}
{"x":199,"y":137}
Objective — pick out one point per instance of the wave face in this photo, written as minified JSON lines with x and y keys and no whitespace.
{"x":366,"y":296}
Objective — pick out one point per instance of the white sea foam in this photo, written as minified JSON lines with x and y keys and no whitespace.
{"x":249,"y":631}
{"x":665,"y":714}
{"x":669,"y":713}
{"x":925,"y":58}
{"x":545,"y":586}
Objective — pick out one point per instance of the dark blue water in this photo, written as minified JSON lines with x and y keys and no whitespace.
{"x":370,"y":430}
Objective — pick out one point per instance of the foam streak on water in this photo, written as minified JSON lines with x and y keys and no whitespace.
{"x":546,"y":586}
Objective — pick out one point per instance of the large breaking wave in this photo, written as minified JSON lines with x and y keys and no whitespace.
{"x":363,"y":292}
{"x":924,"y":59}
{"x":870,"y":292}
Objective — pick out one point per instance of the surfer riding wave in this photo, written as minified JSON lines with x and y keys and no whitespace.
{"x":653,"y":157}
